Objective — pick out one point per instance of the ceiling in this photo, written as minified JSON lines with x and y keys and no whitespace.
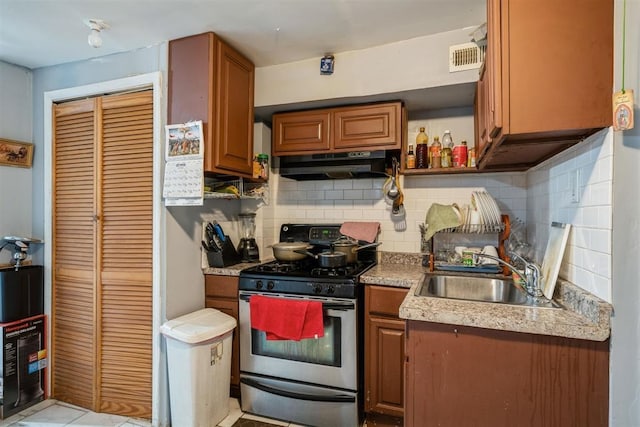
{"x":41,"y":33}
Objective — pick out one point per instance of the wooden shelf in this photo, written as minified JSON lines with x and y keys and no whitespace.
{"x":439,"y":171}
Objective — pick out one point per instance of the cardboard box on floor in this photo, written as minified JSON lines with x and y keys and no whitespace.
{"x":23,"y":362}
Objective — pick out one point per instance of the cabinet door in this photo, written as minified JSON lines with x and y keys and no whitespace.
{"x":231,"y":308}
{"x":385,"y":346}
{"x":482,"y":113}
{"x":367,"y":127}
{"x":301,"y":132}
{"x":493,"y":79}
{"x":221,"y":293}
{"x":221,"y":286}
{"x":562,"y":77}
{"x":234,"y":112}
{"x":458,"y":375}
{"x":386,"y":374}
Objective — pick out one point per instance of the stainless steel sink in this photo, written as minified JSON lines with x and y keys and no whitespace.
{"x":482,"y":289}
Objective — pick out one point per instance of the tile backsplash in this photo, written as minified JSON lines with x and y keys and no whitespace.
{"x":362,"y":200}
{"x":575,"y":187}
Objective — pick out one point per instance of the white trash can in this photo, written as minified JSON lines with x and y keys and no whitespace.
{"x":199,"y":363}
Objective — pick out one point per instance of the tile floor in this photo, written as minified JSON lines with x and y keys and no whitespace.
{"x":52,"y":413}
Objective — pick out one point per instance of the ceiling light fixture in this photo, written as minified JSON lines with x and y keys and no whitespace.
{"x":96,"y":25}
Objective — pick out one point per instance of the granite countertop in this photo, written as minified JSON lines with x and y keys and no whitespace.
{"x":582,"y":316}
{"x":231,"y":270}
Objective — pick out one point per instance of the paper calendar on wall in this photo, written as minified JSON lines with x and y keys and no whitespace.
{"x":184,"y":171}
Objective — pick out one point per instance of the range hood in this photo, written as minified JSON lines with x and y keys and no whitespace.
{"x":351,"y":165}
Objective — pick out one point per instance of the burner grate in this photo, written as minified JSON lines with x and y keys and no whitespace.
{"x":278,"y":267}
{"x":334,"y":271}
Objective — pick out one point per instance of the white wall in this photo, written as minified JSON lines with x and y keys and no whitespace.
{"x":625,"y":289}
{"x":587,"y":258}
{"x":410,"y":64}
{"x":16,"y":114}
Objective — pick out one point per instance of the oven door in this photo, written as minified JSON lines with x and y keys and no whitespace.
{"x":330,"y":360}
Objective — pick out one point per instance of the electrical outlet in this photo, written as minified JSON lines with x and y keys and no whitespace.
{"x":574,"y":178}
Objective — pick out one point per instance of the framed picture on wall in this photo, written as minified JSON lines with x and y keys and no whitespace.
{"x":15,"y":153}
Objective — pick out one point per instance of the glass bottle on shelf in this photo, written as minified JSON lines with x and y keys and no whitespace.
{"x":411,"y":158}
{"x":471,"y":158}
{"x":446,"y":154}
{"x":435,"y":153}
{"x":422,"y":150}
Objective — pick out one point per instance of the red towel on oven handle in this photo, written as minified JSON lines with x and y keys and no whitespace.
{"x":286,"y":319}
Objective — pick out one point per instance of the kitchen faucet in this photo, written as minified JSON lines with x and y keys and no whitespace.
{"x":531,"y":273}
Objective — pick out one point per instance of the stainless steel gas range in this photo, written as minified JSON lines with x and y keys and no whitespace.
{"x":316,"y":381}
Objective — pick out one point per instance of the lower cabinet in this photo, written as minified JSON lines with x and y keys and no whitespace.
{"x":464,"y":376}
{"x":221,"y":293}
{"x":384,"y":352}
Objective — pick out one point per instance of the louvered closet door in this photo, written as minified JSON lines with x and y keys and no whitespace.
{"x":126,"y":257}
{"x":74,"y":254}
{"x":102,"y":314}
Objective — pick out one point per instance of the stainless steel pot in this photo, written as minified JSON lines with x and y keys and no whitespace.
{"x":350,"y":248}
{"x":328,"y":259}
{"x":287,"y":251}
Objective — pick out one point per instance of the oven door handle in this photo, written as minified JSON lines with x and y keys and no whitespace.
{"x":332,"y":305}
{"x":337,"y":398}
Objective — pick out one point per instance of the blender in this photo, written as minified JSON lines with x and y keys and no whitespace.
{"x":248,"y":248}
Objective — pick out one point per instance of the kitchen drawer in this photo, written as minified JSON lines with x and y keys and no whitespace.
{"x":221,"y":286}
{"x":384,"y":300}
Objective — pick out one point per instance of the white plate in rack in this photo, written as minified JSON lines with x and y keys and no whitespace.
{"x":485,"y":212}
{"x":493,"y":207}
{"x":475,"y":202}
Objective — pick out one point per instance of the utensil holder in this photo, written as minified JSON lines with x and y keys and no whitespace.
{"x":226,"y":257}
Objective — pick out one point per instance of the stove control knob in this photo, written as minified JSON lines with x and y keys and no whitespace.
{"x":331,"y":289}
{"x":270,"y":285}
{"x":317,"y":288}
{"x":259,"y":284}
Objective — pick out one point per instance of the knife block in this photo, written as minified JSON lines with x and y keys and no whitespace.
{"x":226,"y":257}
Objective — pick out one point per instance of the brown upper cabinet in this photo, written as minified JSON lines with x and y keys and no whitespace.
{"x":359,"y":127}
{"x":548,"y":79}
{"x":211,"y":81}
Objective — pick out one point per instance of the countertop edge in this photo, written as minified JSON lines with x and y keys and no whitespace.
{"x":583,"y":316}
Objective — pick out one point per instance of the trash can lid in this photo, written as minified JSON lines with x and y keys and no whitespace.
{"x":199,"y":326}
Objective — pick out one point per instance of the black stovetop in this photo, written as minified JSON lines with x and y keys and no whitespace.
{"x":306,"y":277}
{"x":308,"y":268}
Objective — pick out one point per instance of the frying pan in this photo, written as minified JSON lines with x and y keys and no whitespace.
{"x":286,"y":251}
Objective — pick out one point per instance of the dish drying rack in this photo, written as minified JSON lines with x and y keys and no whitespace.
{"x":503,"y":230}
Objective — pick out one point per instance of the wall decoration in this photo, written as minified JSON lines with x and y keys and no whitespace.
{"x":184,"y":170}
{"x":15,"y":153}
